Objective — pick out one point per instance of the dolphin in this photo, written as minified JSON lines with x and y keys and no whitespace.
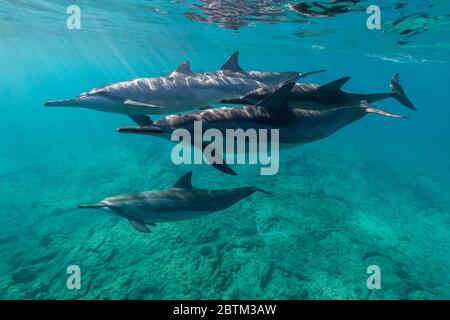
{"x":296,"y":126}
{"x":182,"y":90}
{"x":328,"y":96}
{"x":182,"y":201}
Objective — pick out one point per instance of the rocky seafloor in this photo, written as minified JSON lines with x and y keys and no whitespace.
{"x":337,"y":207}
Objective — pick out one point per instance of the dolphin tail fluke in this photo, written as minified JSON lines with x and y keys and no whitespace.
{"x":372,"y":109}
{"x":92,"y":206}
{"x":399,"y":93}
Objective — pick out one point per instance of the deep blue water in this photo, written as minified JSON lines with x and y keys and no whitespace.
{"x":376,"y":192}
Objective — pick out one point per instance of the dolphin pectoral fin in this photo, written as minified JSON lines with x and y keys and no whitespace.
{"x":143,"y":121}
{"x":372,"y":109}
{"x":221,"y":165}
{"x":212,"y":159}
{"x":139,"y":226}
{"x":262,"y":191}
{"x":384,"y":113}
{"x":152,"y":224}
{"x":141,"y":104}
{"x":224,"y":168}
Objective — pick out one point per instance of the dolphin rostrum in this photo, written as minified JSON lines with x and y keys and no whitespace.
{"x":182,"y":201}
{"x":328,"y":96}
{"x":180,"y":91}
{"x":296,"y":126}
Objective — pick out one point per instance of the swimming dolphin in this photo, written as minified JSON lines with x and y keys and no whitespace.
{"x":328,"y":96}
{"x":296,"y":126}
{"x":180,"y":91}
{"x":180,"y":202}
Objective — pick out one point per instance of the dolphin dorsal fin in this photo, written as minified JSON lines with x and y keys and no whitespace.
{"x":335,"y":85}
{"x":184,"y":69}
{"x":184,"y":182}
{"x":278,"y":100}
{"x":232,"y":63}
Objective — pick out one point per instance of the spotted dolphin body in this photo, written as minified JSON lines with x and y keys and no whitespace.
{"x":328,"y":96}
{"x":180,"y":91}
{"x":296,"y":126}
{"x":180,"y":202}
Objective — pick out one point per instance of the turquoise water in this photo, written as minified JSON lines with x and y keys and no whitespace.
{"x":375,"y":193}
